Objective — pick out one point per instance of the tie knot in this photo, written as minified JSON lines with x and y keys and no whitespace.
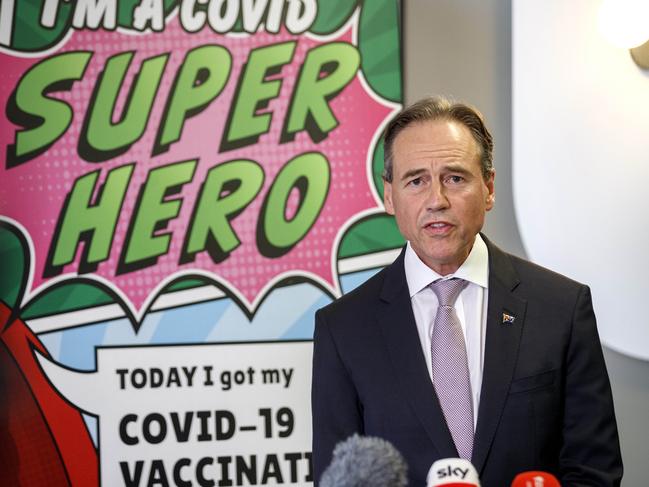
{"x":447,"y":290}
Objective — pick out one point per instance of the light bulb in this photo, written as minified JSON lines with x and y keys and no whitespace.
{"x":624,"y":23}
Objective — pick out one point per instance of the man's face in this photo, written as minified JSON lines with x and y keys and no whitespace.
{"x":437,"y":193}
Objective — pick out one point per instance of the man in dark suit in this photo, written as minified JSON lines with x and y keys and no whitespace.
{"x":509,"y":374}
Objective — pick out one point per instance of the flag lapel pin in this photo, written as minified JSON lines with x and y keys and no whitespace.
{"x":508,"y":319}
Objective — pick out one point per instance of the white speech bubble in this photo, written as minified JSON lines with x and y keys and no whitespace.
{"x":198,"y":413}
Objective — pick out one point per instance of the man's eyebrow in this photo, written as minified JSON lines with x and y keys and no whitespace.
{"x":457,"y":168}
{"x":413,"y":173}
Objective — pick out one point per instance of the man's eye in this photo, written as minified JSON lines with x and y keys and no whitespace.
{"x":416,"y":182}
{"x":455,"y":179}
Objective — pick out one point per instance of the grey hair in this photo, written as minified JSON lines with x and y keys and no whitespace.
{"x":439,"y":108}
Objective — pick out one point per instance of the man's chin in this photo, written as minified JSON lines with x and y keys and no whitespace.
{"x":443,"y":264}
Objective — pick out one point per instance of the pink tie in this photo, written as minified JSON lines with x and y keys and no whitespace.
{"x":450,"y":366}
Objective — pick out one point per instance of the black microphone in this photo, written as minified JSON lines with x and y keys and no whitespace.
{"x":365,"y":461}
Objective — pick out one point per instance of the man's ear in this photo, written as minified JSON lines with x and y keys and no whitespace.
{"x":491,"y":190}
{"x":387,"y":197}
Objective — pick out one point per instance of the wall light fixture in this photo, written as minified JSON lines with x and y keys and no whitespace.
{"x":625,"y":23}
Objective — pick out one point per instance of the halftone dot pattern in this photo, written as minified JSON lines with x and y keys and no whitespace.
{"x":33,"y":193}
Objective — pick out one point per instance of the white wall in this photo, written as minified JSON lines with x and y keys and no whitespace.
{"x":580,"y":161}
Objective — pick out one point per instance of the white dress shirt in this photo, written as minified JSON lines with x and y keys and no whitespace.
{"x":471,"y":308}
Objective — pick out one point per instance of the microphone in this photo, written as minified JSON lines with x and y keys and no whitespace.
{"x":452,"y":472}
{"x":535,"y":479}
{"x":365,"y":462}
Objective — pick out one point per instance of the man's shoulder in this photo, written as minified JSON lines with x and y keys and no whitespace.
{"x":529,"y":269}
{"x":366,"y":295}
{"x":535,"y":280}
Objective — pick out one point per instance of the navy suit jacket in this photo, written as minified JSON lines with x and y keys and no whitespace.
{"x":545,"y":403}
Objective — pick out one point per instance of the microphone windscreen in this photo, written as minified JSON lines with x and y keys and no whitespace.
{"x":365,"y":462}
{"x":452,"y":472}
{"x":535,"y":479}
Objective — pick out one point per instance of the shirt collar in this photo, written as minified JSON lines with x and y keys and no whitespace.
{"x":474,"y":269}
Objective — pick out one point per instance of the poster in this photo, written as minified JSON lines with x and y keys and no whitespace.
{"x":184,"y":183}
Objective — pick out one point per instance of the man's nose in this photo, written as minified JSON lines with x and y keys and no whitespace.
{"x":437,"y":198}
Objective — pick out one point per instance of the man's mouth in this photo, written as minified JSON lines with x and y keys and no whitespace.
{"x":438,"y":227}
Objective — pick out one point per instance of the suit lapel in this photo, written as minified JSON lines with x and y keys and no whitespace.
{"x":501,"y":349}
{"x":397,"y":323}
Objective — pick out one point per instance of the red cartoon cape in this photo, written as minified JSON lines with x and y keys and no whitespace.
{"x":44,"y":440}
